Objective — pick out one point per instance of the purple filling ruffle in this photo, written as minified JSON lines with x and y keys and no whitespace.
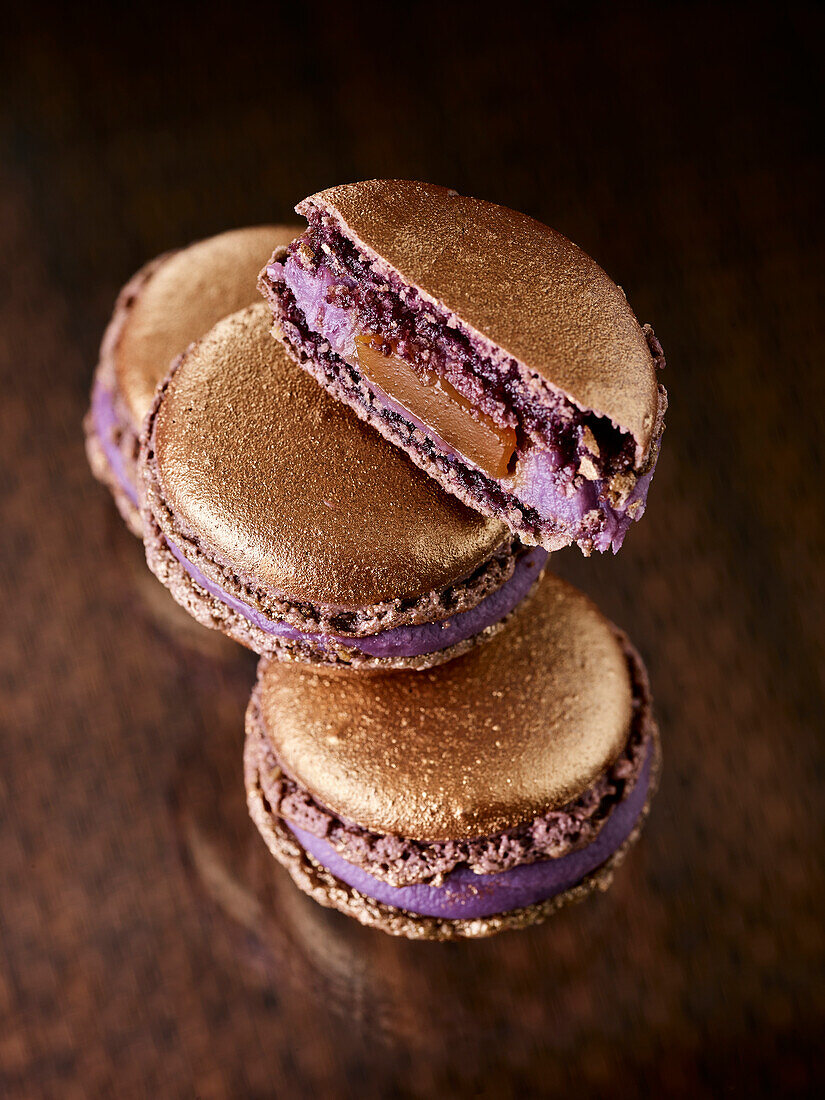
{"x":538,"y":489}
{"x":399,"y":641}
{"x":106,"y":423}
{"x":464,"y":895}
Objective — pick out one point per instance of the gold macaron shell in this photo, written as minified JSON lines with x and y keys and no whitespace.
{"x":515,"y":728}
{"x":291,"y":491}
{"x":182,"y":299}
{"x":514,"y":281}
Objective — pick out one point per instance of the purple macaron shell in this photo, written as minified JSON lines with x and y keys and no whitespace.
{"x":105,"y":423}
{"x":464,"y":895}
{"x":399,"y":641}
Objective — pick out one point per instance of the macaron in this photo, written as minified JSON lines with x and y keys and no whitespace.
{"x":472,"y":798}
{"x":492,"y":350}
{"x":274,"y":514}
{"x":170,"y":302}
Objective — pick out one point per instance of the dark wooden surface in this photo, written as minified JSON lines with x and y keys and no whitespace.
{"x":148,"y":947}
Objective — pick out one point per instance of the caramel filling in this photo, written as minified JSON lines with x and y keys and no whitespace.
{"x":440,"y":407}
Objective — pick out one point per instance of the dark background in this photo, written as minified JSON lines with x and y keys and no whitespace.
{"x":148,"y":945}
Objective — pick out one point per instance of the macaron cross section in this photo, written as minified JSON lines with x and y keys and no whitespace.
{"x":497,"y":354}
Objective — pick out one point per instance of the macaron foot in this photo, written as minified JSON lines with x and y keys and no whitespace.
{"x":323,"y":887}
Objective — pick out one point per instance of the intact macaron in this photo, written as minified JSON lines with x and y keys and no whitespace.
{"x":469,"y":799}
{"x":274,"y":514}
{"x":170,"y":302}
{"x":496,"y":353}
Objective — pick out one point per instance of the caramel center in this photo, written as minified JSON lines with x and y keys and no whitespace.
{"x":440,"y":407}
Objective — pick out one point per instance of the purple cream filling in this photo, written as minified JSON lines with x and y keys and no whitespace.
{"x":464,"y":895}
{"x":106,"y":423}
{"x":537,"y":487}
{"x":399,"y":641}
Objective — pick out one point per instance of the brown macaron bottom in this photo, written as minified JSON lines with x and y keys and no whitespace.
{"x":580,"y":862}
{"x":202,"y":589}
{"x":323,"y":886}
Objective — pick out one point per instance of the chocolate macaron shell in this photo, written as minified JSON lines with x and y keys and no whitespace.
{"x":511,"y":730}
{"x":289,"y":490}
{"x":517,"y":285}
{"x":187,"y":293}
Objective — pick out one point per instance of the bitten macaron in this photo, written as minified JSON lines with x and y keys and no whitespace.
{"x":274,"y":514}
{"x":491,"y":349}
{"x":170,"y":302}
{"x":472,"y":798}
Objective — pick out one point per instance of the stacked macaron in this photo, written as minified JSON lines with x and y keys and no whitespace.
{"x":478,"y":796}
{"x":275,"y":515}
{"x":440,"y":742}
